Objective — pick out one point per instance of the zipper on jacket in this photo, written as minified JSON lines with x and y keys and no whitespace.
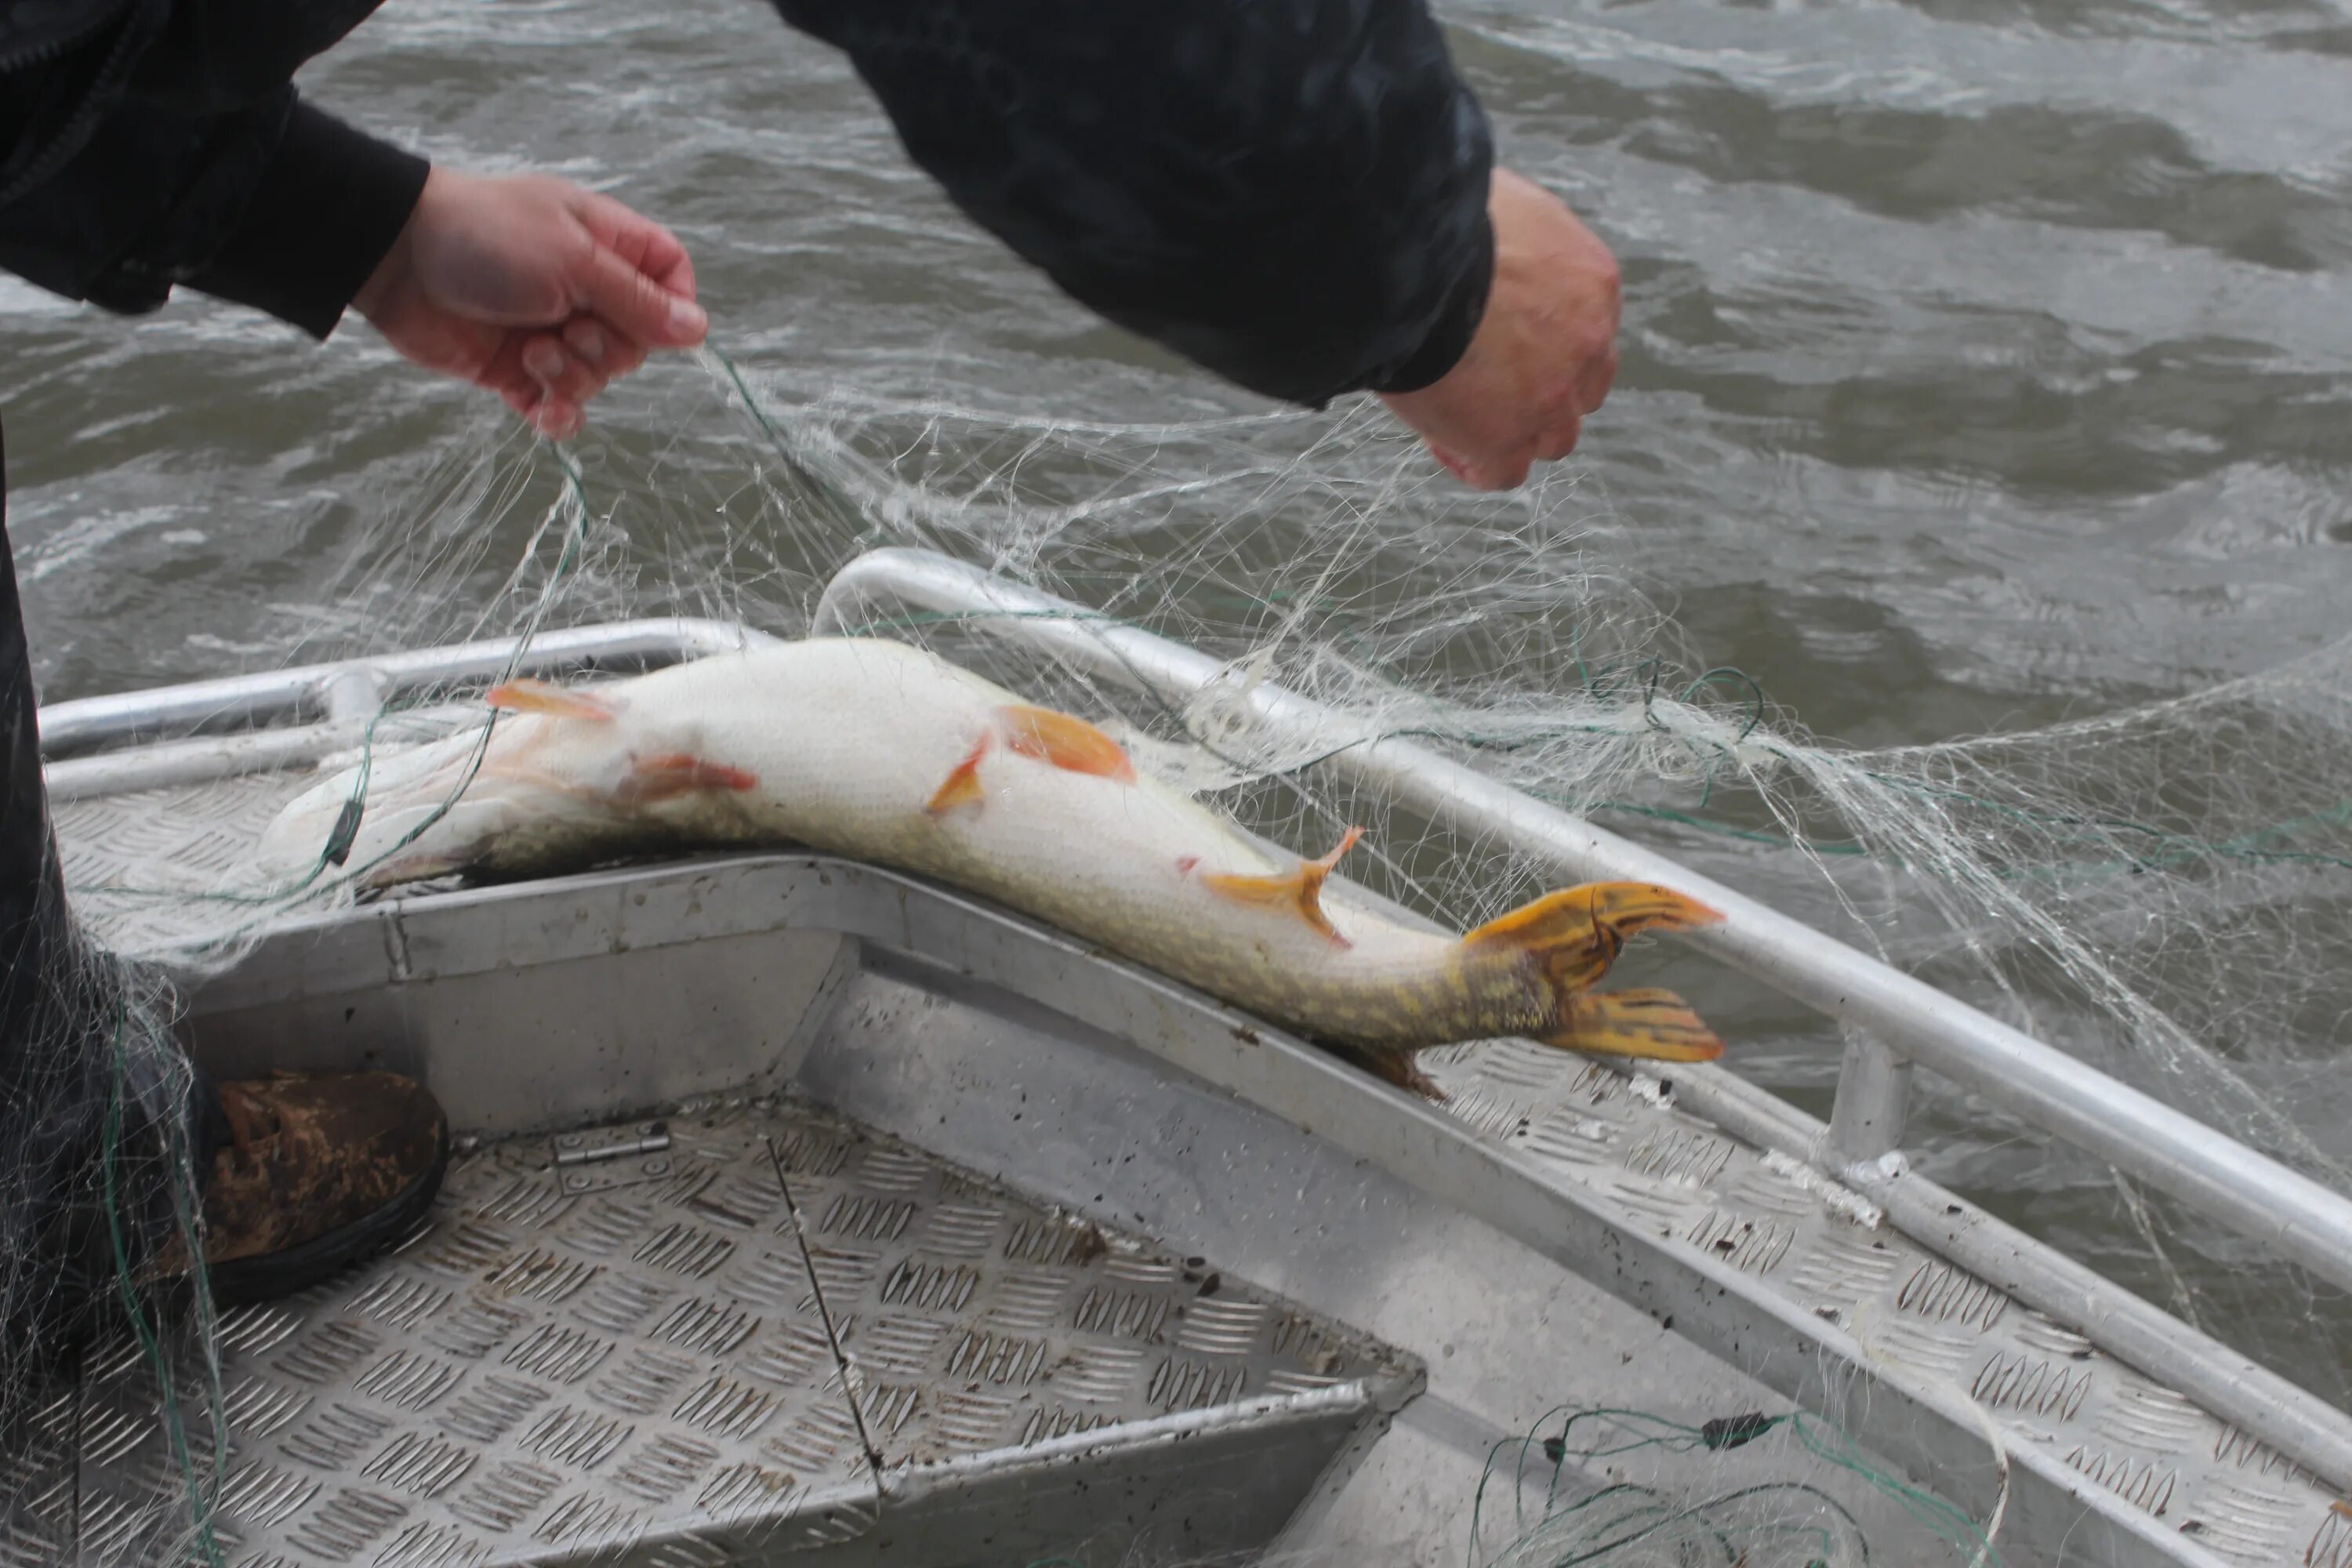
{"x":68,"y":137}
{"x":49,"y":48}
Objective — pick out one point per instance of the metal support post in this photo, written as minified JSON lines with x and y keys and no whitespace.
{"x":1874,"y":1094}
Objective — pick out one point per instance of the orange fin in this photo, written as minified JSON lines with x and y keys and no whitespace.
{"x":1578,"y":933}
{"x":1069,"y":743}
{"x":962,"y":786}
{"x":675,"y":774}
{"x":1301,"y":889}
{"x":1652,"y":1024}
{"x":1399,"y":1069}
{"x":528,"y":696}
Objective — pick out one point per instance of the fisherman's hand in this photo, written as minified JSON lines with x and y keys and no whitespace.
{"x":533,"y":287}
{"x":1544,"y":353}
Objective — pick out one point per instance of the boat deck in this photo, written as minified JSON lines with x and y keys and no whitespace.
{"x":767,"y":1333}
{"x":959,"y":1242}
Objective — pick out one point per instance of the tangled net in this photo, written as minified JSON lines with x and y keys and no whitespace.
{"x":1599,"y":1487}
{"x":1630,"y":1488}
{"x":2165,"y":891}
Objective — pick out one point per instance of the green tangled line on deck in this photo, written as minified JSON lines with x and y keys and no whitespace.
{"x":203,"y":1489}
{"x":1627,"y":1517}
{"x":1647,"y":1512}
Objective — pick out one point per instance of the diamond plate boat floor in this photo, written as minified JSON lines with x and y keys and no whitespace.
{"x":1797,"y":1235}
{"x":779,"y":1334}
{"x":144,"y":867}
{"x":1623,"y":1141}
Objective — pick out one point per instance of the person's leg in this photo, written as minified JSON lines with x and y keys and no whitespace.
{"x":112,"y":1143}
{"x":94,"y":1130}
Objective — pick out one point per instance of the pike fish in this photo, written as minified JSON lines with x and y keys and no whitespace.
{"x":881,"y":751}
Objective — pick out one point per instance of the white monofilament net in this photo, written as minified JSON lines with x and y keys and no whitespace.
{"x":2165,"y":891}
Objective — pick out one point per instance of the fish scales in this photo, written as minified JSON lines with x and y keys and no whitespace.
{"x":881,"y":751}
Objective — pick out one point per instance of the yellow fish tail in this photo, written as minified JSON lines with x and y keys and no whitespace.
{"x":1533,"y":970}
{"x":1647,"y":1022}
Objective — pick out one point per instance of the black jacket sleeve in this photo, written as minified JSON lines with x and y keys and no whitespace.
{"x":1292,"y":193}
{"x":145,"y":143}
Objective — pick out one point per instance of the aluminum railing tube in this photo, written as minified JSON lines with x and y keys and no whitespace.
{"x":281,"y":694}
{"x":2204,"y":1168}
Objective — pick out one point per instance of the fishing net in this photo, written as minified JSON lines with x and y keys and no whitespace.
{"x":1633,"y":1489}
{"x":98,"y":1221}
{"x":1597,"y":1487}
{"x":2160,"y":889}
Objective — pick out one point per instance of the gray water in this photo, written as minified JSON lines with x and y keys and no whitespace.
{"x":1985,"y":362}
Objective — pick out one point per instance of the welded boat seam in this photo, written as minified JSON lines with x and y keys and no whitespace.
{"x":852,"y":1389}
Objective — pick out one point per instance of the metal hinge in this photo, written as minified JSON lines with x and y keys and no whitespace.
{"x":603,"y":1158}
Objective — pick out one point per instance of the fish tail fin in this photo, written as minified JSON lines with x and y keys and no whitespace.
{"x":1562,"y":943}
{"x":1575,"y":934}
{"x":1649,"y":1022}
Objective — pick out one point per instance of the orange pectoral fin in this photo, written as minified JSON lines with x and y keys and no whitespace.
{"x":674,"y":773}
{"x":962,"y":786}
{"x":1648,"y":1023}
{"x":1300,"y":890}
{"x":546,"y":696}
{"x":1069,"y":743}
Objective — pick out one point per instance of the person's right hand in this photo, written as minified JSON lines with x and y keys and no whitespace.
{"x":1544,"y":353}
{"x":532,"y":288}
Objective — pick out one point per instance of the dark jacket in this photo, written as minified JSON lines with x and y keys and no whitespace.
{"x":1291,"y":193}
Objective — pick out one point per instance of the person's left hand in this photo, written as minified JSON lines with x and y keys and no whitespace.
{"x":1545,"y":351}
{"x":530,"y":287}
